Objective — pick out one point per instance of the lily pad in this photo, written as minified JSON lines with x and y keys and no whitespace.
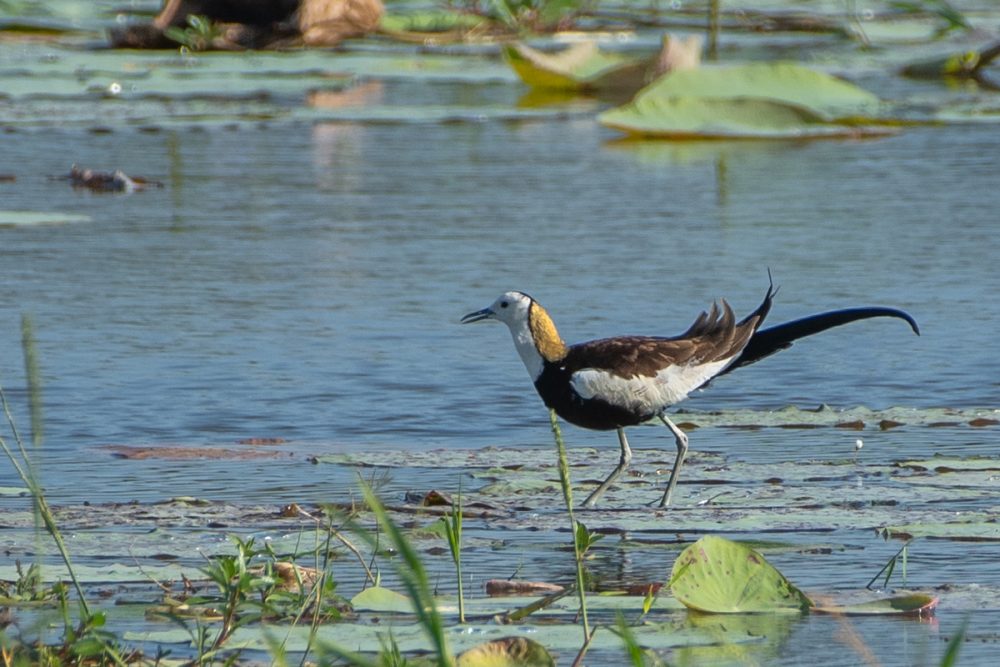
{"x":428,"y":22}
{"x":953,"y":464}
{"x":582,"y":66}
{"x":720,"y":576}
{"x":916,"y":604}
{"x":684,"y":117}
{"x":766,"y":100}
{"x":975,"y":528}
{"x":382,"y":600}
{"x":585,"y":67}
{"x":507,"y":652}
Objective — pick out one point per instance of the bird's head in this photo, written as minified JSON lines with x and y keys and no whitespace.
{"x":534,"y":333}
{"x":511,"y":308}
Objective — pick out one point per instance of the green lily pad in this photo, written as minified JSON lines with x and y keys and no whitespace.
{"x":979,"y":527}
{"x":428,"y":21}
{"x":720,"y":576}
{"x":582,"y":66}
{"x":916,"y":604}
{"x":766,"y":100}
{"x":953,"y":464}
{"x":826,"y":95}
{"x":683,"y":117}
{"x":382,"y":600}
{"x":507,"y":652}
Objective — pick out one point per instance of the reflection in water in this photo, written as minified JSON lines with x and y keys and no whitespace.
{"x":736,"y":639}
{"x":337,"y":148}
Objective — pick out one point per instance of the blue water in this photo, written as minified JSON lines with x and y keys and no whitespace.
{"x":306,"y":282}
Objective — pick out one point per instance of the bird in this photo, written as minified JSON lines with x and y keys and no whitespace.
{"x":613,"y":383}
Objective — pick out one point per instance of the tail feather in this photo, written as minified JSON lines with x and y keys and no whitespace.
{"x":774,"y":339}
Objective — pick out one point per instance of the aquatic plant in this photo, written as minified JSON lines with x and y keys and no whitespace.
{"x":415,"y":581}
{"x":199,"y":35}
{"x":531,"y":14}
{"x":82,"y":638}
{"x":952,"y":18}
{"x":890,"y":566}
{"x":581,"y":537}
{"x":453,"y":531}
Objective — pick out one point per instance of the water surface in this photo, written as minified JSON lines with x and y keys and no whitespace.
{"x":301,"y":276}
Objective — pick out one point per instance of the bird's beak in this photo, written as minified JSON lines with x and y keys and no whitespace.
{"x":483,"y":314}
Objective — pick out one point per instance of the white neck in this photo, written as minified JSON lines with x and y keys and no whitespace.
{"x":525,"y":344}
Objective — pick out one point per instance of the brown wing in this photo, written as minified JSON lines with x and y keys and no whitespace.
{"x":713,"y":336}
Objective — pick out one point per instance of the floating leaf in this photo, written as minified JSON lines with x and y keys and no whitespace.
{"x":974,"y":528}
{"x":916,"y":604}
{"x":585,"y":67}
{"x":824,"y":94}
{"x":952,"y":464}
{"x":691,"y":117}
{"x":717,"y":575}
{"x":580,"y":67}
{"x":382,"y":600}
{"x":507,"y":652}
{"x":398,"y":24}
{"x":767,"y":100}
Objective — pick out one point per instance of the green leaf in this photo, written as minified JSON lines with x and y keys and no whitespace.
{"x":917,"y":604}
{"x":687,"y":117}
{"x":580,"y":67}
{"x":89,"y":646}
{"x":584,"y":538}
{"x":768,"y":100}
{"x":507,"y":652}
{"x":951,"y":463}
{"x":382,"y":600}
{"x":950,"y":657}
{"x":717,"y":575}
{"x":430,"y":20}
{"x":824,"y":94}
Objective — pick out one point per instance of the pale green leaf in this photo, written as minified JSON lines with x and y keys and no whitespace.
{"x":916,"y":604}
{"x":717,"y":575}
{"x":382,"y":600}
{"x":507,"y":652}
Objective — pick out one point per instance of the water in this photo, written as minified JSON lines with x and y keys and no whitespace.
{"x":304,"y":280}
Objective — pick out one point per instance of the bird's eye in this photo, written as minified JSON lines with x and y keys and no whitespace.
{"x":504,"y":304}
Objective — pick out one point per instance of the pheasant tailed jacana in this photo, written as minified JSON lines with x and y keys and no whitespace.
{"x":612,"y":383}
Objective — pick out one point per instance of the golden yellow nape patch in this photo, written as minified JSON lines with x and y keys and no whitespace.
{"x":543,"y":331}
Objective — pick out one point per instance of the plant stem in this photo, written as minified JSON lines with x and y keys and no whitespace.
{"x":27,"y":472}
{"x":713,"y":29}
{"x":34,"y":380}
{"x":568,"y":495}
{"x":455,"y":542}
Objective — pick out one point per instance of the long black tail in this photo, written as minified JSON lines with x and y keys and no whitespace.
{"x":767,"y":342}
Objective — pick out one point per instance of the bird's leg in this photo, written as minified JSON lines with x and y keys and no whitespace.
{"x":682,"y":448}
{"x":623,"y":462}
